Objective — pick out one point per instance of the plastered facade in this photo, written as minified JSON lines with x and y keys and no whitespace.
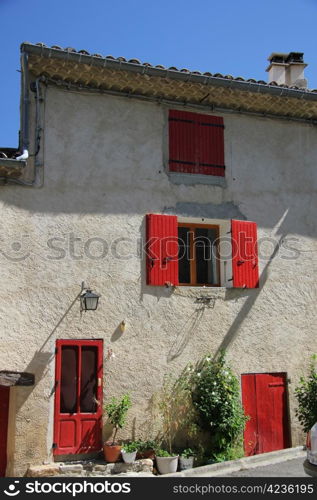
{"x":104,"y":163}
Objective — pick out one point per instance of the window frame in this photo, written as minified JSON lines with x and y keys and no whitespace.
{"x":192,"y":251}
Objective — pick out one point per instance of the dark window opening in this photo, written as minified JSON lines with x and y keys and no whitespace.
{"x":198,"y":255}
{"x":69,"y":379}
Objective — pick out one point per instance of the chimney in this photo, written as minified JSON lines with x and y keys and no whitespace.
{"x":295,"y":70}
{"x":287,"y":69}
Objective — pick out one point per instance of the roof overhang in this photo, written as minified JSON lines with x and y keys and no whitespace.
{"x":68,"y":67}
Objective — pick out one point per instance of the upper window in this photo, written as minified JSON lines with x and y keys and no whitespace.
{"x":196,"y":143}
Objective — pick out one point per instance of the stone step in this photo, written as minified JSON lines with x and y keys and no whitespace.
{"x":142,"y":467}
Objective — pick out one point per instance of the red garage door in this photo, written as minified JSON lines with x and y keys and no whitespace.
{"x":78,"y":396}
{"x":4,"y":413}
{"x":264,"y":397}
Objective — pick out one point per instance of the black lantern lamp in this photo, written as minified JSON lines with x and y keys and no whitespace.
{"x":88,"y":299}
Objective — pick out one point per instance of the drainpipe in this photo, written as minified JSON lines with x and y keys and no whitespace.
{"x":25,"y":107}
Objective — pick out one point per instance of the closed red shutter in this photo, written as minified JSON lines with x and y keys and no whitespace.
{"x":211,"y":145}
{"x":196,"y":143}
{"x":245,"y":266}
{"x":161,"y":250}
{"x":182,"y":148}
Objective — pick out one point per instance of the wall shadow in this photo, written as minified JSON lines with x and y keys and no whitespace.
{"x":40,"y":361}
{"x":185,"y":333}
{"x":252,"y":296}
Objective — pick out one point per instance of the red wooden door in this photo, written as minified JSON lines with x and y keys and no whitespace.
{"x":78,"y":396}
{"x":264,"y":397}
{"x":4,"y":413}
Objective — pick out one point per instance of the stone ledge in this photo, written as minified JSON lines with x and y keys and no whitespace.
{"x":143,"y":465}
{"x":43,"y":470}
{"x":68,"y":468}
{"x":81,"y":469}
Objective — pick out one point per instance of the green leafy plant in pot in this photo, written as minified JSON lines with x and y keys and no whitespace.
{"x":146,"y":449}
{"x":186,"y":459}
{"x":165,"y":461}
{"x":129,"y":451}
{"x":116,"y":410}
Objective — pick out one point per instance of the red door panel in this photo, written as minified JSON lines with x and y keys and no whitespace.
{"x":78,"y":396}
{"x":264,"y":397}
{"x":250,"y":409}
{"x":4,"y":413}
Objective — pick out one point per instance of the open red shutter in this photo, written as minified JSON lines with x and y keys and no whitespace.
{"x":161,"y":249}
{"x":245,"y":266}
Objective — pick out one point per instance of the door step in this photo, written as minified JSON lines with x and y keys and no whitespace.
{"x":93,"y":468}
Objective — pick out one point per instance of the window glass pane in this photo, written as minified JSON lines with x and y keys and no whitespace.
{"x":206,"y":256}
{"x":183,"y":255}
{"x":68,"y":402}
{"x":88,"y":383}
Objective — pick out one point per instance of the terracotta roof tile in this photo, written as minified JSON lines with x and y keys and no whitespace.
{"x":137,"y":62}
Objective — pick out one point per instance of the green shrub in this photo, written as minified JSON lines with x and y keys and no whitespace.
{"x":216,"y":396}
{"x":306,"y":395}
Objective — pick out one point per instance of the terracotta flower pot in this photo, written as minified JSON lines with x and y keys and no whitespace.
{"x":112,"y":452}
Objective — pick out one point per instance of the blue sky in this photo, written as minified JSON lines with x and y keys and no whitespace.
{"x":230,"y":37}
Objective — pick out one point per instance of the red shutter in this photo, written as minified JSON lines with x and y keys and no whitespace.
{"x":161,"y":249}
{"x":182,"y":152}
{"x":196,"y":143}
{"x":245,"y":266}
{"x":211,"y":145}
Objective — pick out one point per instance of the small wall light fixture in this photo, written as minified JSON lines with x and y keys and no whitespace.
{"x":88,"y":299}
{"x":123,"y":325}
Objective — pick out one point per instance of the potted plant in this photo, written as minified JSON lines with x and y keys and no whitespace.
{"x":146,"y":449}
{"x":165,"y":461}
{"x":306,"y":410}
{"x":186,"y":459}
{"x":129,"y":452}
{"x":116,"y":410}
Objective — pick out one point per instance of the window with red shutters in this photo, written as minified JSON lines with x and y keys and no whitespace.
{"x":180,"y":253}
{"x":196,"y":143}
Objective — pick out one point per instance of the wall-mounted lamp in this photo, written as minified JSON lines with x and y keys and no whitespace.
{"x":123,"y":325}
{"x":88,"y":299}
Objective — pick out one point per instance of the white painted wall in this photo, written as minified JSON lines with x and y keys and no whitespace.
{"x":104,"y":170}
